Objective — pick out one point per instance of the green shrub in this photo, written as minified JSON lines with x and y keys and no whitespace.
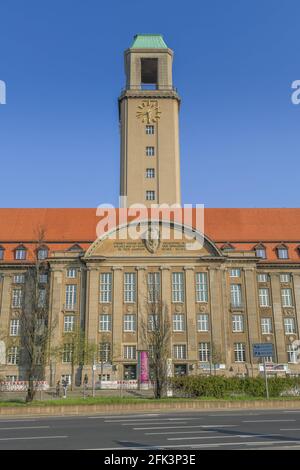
{"x":221,"y":386}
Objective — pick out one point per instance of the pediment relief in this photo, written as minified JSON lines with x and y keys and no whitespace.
{"x":155,"y":240}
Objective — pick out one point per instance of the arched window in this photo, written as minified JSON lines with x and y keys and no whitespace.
{"x":21,"y":252}
{"x":282,"y":251}
{"x":260,"y":250}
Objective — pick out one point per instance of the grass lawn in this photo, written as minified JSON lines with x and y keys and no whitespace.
{"x":128,"y":400}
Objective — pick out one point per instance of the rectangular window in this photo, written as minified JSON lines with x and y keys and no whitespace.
{"x":239,"y":352}
{"x":105,"y":287}
{"x":285,"y":278}
{"x":19,"y":279}
{"x":266,"y":326}
{"x":129,"y":352}
{"x":67,"y":355}
{"x":286,"y":297}
{"x":129,"y":323}
{"x":177,"y":287}
{"x":178,"y":322}
{"x":43,"y":278}
{"x":150,"y":151}
{"x":264,"y":297}
{"x":201,"y":287}
{"x":150,"y":173}
{"x":237,"y":323}
{"x":262,"y":277}
{"x":179,"y":351}
{"x":42,"y":253}
{"x":69,"y":323}
{"x":235,"y":272}
{"x":104,"y":352}
{"x":153,"y":287}
{"x":14,"y":329}
{"x":292,"y":354}
{"x":153,"y":322}
{"x":129,"y":287}
{"x":261,"y":252}
{"x":1,"y":253}
{"x":236,"y":295}
{"x":204,"y":352}
{"x":42,"y":298}
{"x":20,"y":254}
{"x":71,"y":294}
{"x":11,"y":378}
{"x":150,"y":195}
{"x":149,"y":130}
{"x":71,"y":273}
{"x":17,"y":297}
{"x":105,"y":322}
{"x":202,"y":322}
{"x":289,"y":326}
{"x":13,"y":355}
{"x":283,"y":253}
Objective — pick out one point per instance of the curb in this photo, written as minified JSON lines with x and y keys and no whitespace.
{"x":76,"y":410}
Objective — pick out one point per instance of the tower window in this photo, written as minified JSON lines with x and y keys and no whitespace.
{"x":150,"y":130}
{"x":150,"y":195}
{"x":149,"y":68}
{"x":150,"y":151}
{"x":150,"y":173}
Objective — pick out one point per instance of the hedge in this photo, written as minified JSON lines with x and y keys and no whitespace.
{"x":221,"y":386}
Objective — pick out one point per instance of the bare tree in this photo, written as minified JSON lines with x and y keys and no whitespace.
{"x":35,"y":331}
{"x":156,"y":333}
{"x":78,"y":350}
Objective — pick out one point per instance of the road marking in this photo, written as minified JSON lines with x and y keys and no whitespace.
{"x":240,"y":436}
{"x":268,"y":421}
{"x":175,"y":432}
{"x":148,"y":422}
{"x":17,"y":420}
{"x":31,"y":437}
{"x":182,"y":427}
{"x":143,"y":420}
{"x":24,"y":427}
{"x":123,"y":416}
{"x":289,"y":429}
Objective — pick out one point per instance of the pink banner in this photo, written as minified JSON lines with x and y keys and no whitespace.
{"x":144,"y":367}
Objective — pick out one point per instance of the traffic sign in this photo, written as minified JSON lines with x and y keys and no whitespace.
{"x":262,"y":349}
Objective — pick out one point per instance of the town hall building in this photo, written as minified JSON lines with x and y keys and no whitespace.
{"x":240,"y":287}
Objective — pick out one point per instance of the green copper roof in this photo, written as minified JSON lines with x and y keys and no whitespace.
{"x":148,"y":41}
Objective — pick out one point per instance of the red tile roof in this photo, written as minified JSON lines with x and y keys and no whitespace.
{"x":242,"y":227}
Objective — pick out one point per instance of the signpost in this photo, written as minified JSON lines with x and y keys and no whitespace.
{"x":263,"y":350}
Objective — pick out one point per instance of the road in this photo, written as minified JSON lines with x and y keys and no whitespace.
{"x":278,"y":429}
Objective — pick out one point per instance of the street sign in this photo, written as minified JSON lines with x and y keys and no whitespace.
{"x":262,"y":350}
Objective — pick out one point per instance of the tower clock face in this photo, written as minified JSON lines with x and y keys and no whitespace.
{"x":148,"y":111}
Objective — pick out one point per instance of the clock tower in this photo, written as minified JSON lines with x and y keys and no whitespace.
{"x":148,"y":112}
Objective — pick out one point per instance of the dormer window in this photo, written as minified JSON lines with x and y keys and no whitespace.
{"x":260,"y":251}
{"x":75,"y":247}
{"x":1,"y":252}
{"x":282,"y":252}
{"x":20,"y":253}
{"x":227,"y":247}
{"x":42,"y":253}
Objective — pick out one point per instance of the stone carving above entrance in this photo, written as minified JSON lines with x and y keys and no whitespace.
{"x":152,"y":239}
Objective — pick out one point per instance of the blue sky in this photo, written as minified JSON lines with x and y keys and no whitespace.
{"x":62,"y":61}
